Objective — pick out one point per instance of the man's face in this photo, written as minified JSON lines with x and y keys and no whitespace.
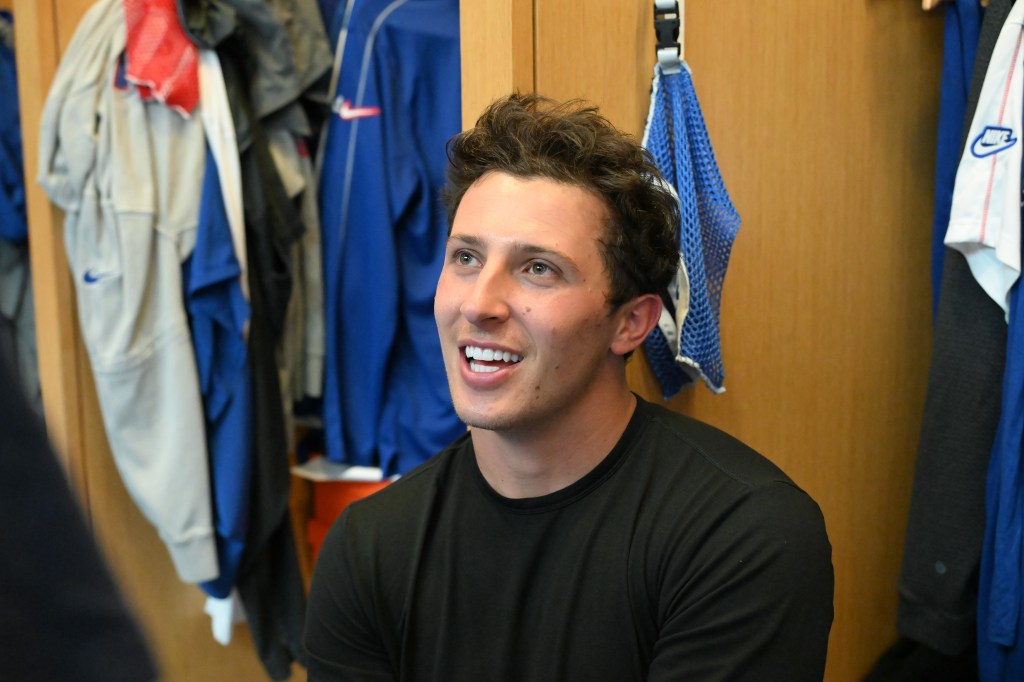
{"x":523,"y":293}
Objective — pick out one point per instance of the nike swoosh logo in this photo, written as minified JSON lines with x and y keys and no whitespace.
{"x":347,"y":112}
{"x":992,"y":140}
{"x":91,"y":276}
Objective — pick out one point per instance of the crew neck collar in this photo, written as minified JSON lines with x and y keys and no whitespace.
{"x":578,"y":489}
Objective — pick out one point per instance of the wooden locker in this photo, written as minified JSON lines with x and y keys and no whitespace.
{"x":823,"y":118}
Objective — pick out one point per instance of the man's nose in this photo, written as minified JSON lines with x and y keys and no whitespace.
{"x":487,"y":298}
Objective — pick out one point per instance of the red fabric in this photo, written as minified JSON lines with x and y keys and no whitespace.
{"x":161,"y":61}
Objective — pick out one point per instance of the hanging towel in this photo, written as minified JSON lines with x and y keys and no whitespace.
{"x":678,"y":140}
{"x":161,"y":61}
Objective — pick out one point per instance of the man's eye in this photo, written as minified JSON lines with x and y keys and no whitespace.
{"x":538,"y":268}
{"x":464,"y":258}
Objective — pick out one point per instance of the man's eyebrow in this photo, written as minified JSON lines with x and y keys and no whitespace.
{"x":468,"y":240}
{"x":521,"y":247}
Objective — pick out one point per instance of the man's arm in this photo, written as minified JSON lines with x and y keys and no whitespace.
{"x":343,"y":637}
{"x":755,"y":602}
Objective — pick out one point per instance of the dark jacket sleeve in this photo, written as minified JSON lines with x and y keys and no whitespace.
{"x":61,"y":615}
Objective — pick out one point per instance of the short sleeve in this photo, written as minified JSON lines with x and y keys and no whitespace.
{"x":754,"y":602}
{"x":343,"y":638}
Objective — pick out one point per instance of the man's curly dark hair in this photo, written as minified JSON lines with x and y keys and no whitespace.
{"x":529,"y":136}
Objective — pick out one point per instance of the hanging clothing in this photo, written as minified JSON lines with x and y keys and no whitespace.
{"x":17,"y":309}
{"x":1000,"y":582}
{"x":328,"y":10}
{"x":302,"y":346}
{"x":386,"y":400}
{"x":962,"y":24}
{"x":218,"y":316}
{"x":288,"y":52}
{"x":222,"y":300}
{"x":338,"y":145}
{"x":128,"y":174}
{"x":945,"y":526}
{"x":269,"y":581}
{"x":18,"y":320}
{"x":337,"y":32}
{"x":281,"y":87}
{"x":13,"y":225}
{"x":984,"y":221}
{"x":220,"y":136}
{"x":910,"y":661}
{"x":1001,"y":577}
{"x":261,"y":87}
{"x":678,"y":140}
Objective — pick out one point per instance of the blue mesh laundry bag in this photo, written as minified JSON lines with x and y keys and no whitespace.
{"x":676,"y":137}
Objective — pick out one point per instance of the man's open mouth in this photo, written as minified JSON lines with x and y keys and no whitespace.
{"x":489,"y":359}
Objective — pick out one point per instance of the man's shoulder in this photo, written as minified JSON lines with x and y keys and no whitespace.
{"x":408,"y":496}
{"x":713,"y":480}
{"x":678,"y":439}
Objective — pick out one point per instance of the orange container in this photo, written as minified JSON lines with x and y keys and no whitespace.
{"x":330,"y":499}
{"x":316,"y":531}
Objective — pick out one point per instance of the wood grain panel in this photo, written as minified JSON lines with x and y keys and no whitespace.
{"x":823,"y":120}
{"x":497,"y":52}
{"x":603,"y":51}
{"x":37,"y":58}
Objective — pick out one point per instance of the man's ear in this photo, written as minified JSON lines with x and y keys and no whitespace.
{"x":636,"y":319}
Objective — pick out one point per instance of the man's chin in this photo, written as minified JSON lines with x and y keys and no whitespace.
{"x":474,"y":419}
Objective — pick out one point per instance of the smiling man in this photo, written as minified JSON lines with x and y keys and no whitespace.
{"x":576,"y":532}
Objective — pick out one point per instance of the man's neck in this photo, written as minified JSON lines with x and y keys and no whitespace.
{"x":540,"y":461}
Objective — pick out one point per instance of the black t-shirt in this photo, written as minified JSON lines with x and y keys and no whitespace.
{"x":684,"y":555}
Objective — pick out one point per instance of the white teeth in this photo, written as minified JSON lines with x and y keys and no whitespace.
{"x":490,"y":355}
{"x":476,"y":367}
